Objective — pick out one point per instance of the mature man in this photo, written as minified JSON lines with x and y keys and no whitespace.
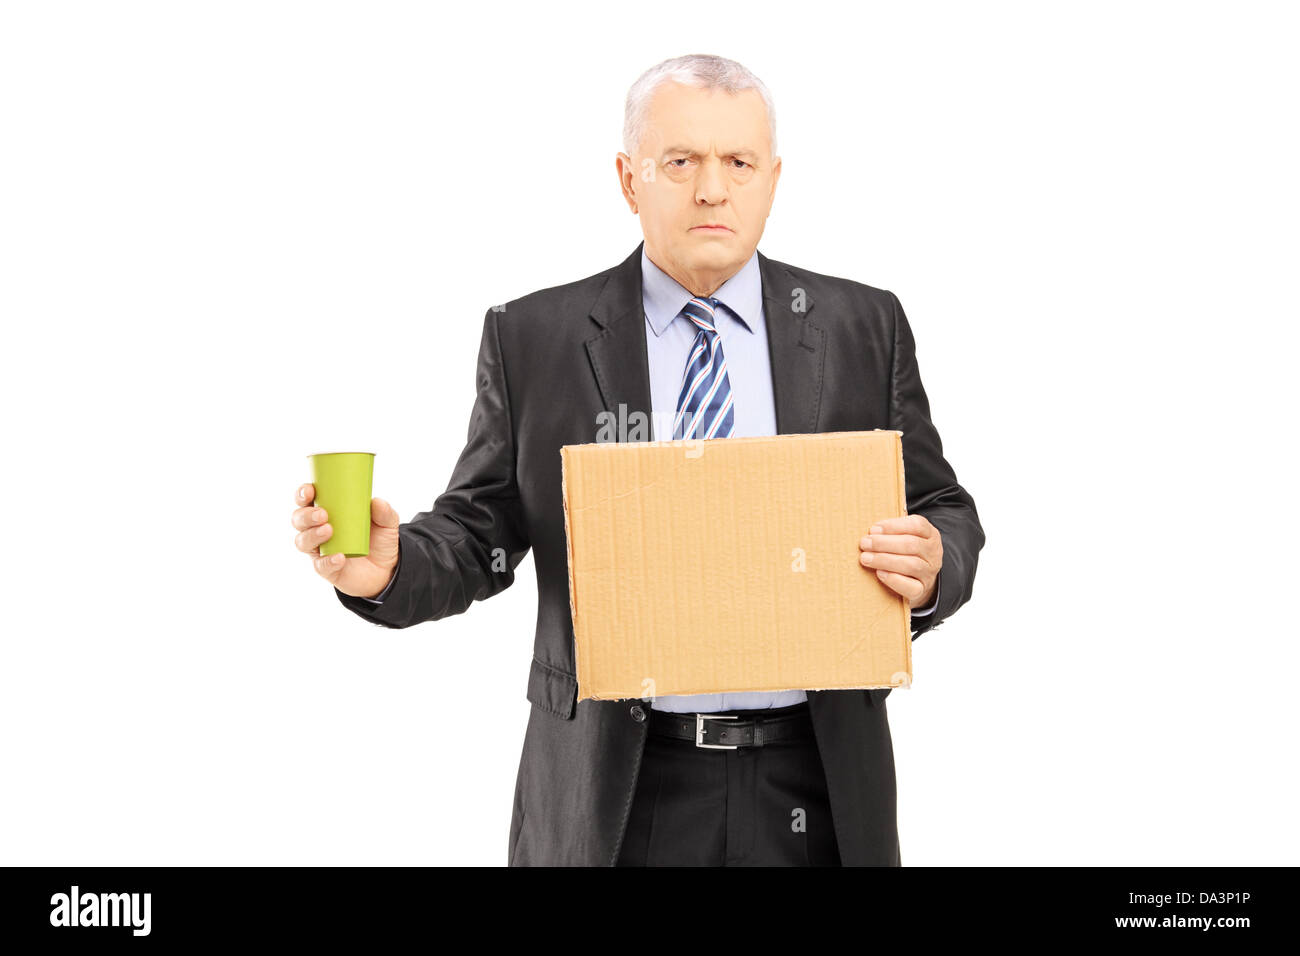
{"x":707,"y":338}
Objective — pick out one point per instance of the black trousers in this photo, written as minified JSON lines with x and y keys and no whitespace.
{"x":753,"y":806}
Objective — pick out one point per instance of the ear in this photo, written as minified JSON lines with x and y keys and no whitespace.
{"x":626,"y":179}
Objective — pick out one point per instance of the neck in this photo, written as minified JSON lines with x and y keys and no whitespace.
{"x":702,"y":283}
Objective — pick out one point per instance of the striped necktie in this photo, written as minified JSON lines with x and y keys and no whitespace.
{"x":704,"y":405}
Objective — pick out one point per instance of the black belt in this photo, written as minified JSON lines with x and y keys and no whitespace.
{"x":727,"y":732}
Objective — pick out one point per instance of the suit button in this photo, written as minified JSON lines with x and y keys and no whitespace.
{"x":638,"y":713}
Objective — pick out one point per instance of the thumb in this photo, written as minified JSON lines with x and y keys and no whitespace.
{"x":383,"y":514}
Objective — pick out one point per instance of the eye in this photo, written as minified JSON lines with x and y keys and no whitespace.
{"x":741,"y":161}
{"x":671,"y":161}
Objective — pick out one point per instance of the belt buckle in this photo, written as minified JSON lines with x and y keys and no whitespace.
{"x":699,"y":732}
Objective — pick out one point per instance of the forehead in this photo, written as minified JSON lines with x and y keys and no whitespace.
{"x":705,"y":120}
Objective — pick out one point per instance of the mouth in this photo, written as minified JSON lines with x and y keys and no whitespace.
{"x":710,"y":227}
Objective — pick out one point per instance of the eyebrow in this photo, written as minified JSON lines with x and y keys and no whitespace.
{"x":744,"y":153}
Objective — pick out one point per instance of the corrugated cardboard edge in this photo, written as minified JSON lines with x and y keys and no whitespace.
{"x":902,"y":510}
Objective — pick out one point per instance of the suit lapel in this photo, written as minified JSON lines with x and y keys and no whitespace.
{"x":618,"y":353}
{"x":796,"y":346}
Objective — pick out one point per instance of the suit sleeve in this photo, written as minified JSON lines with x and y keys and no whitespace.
{"x":932,"y":488}
{"x":467,"y":547}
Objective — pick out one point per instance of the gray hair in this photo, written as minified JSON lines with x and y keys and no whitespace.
{"x":698,"y":70}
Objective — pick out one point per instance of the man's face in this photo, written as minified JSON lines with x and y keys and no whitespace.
{"x":702,"y":182}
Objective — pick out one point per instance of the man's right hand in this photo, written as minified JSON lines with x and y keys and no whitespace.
{"x":365,"y":576}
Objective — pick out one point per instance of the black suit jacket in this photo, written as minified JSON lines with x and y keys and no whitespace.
{"x":843,"y":359}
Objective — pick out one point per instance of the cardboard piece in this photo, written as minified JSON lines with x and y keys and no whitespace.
{"x":732,"y":564}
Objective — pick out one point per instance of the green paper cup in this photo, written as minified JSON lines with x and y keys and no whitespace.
{"x":343,"y":482}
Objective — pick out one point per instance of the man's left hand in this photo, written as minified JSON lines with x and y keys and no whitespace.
{"x":906,"y":554}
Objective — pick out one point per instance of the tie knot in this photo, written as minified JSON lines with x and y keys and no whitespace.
{"x":702,"y":311}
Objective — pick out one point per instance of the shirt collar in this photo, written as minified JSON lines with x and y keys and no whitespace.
{"x":664,"y":297}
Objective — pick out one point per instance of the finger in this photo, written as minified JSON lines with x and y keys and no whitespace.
{"x":383,"y":514}
{"x":897,"y":543}
{"x":306,"y":494}
{"x":902,"y":563}
{"x":329,"y":566}
{"x":309,"y":517}
{"x":906,"y":524}
{"x":310,"y":540}
{"x":909,"y":587}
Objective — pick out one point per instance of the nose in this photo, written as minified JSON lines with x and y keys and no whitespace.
{"x":710,"y":183}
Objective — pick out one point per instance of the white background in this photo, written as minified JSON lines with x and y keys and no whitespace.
{"x":236,"y":233}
